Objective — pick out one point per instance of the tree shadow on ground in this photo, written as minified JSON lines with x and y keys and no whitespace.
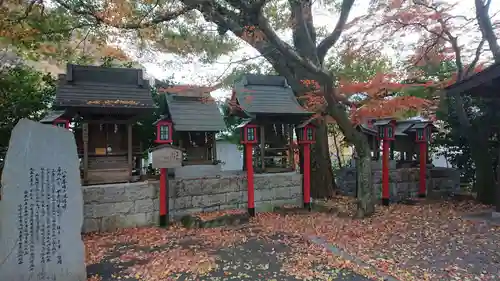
{"x":255,"y":259}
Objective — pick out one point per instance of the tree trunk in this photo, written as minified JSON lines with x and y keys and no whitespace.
{"x":364,"y":186}
{"x":322,"y":180}
{"x":337,"y":148}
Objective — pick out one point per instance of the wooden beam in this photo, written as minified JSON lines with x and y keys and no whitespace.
{"x":290,"y":147}
{"x":214,"y":148}
{"x":85,"y":137}
{"x":262,"y":147}
{"x":129,"y":147}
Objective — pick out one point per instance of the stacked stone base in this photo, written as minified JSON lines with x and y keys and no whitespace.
{"x":113,"y":206}
{"x":404,"y":183}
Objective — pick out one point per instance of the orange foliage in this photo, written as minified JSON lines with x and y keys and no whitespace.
{"x":378,"y":99}
{"x":381,"y":108}
{"x":114,"y":52}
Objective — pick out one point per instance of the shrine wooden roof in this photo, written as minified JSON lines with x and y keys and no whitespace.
{"x":103,"y":87}
{"x":403,"y":127}
{"x":482,"y":84}
{"x":194,"y":113}
{"x":52,"y":115}
{"x":266,"y":95}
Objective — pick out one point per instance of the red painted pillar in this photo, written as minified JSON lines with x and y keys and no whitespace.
{"x":385,"y":173}
{"x":423,"y":170}
{"x":307,"y":176}
{"x":163,"y":197}
{"x":250,"y":186}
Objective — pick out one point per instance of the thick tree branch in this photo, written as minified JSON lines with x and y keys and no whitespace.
{"x":286,"y":49}
{"x":477,"y":55}
{"x":304,"y":33}
{"x":89,"y":12}
{"x":486,"y":27}
{"x":333,"y":37}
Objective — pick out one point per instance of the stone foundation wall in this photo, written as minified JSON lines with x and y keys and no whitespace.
{"x":108,"y":207}
{"x":404,"y":182}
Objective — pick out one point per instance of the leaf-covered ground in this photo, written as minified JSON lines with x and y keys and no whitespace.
{"x":427,"y":241}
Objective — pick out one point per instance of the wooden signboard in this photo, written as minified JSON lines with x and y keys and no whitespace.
{"x":166,"y":157}
{"x":85,"y":132}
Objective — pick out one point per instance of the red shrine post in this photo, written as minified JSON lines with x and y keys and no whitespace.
{"x":423,"y":133}
{"x":386,"y":133}
{"x":163,"y":136}
{"x":306,"y":137}
{"x":248,"y":139}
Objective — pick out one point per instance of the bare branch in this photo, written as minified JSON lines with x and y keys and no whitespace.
{"x":333,"y":37}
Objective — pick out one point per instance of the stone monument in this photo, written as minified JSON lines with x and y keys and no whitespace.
{"x":41,"y":210}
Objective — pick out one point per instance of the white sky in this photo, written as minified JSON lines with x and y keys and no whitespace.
{"x":194,"y":72}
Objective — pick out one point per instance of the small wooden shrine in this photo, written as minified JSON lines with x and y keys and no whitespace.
{"x":190,"y":121}
{"x":269,"y":106}
{"x":102,"y":105}
{"x":403,"y":133}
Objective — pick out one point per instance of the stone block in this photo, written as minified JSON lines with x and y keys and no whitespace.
{"x":182,"y":203}
{"x":295,"y":192}
{"x":112,"y":223}
{"x":203,"y":201}
{"x":395,"y":176}
{"x":262,"y":182}
{"x":400,"y":191}
{"x":103,"y":194}
{"x":115,"y":222}
{"x":197,"y":171}
{"x":282,"y":192}
{"x":264,"y":194}
{"x":107,"y":209}
{"x":139,"y":219}
{"x":156,"y":203}
{"x":143,"y":206}
{"x":236,"y":197}
{"x":90,"y":225}
{"x":266,"y":181}
{"x":230,"y":184}
{"x":376,"y":177}
{"x":138,"y":191}
{"x":191,"y":187}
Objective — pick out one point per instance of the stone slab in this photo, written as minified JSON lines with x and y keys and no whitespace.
{"x":41,"y":206}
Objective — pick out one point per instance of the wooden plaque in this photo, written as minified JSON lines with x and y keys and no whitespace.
{"x":100,"y":151}
{"x":167,"y":157}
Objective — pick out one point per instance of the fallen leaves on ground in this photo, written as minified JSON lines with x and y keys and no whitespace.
{"x":427,"y":241}
{"x":206,"y":216}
